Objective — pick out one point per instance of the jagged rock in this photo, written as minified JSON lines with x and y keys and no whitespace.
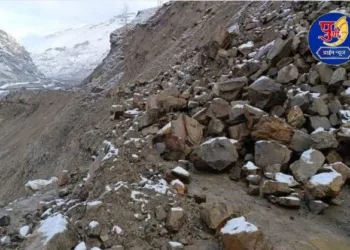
{"x":201,"y":115}
{"x":325,"y":72}
{"x":231,"y":89}
{"x":239,"y":132}
{"x":314,"y":78}
{"x":300,"y":100}
{"x":265,"y":93}
{"x":216,"y":127}
{"x":273,"y":128}
{"x":175,"y":139}
{"x":296,"y":117}
{"x":171,"y":91}
{"x":275,"y":188}
{"x":5,"y":220}
{"x":300,"y":141}
{"x":285,"y":201}
{"x":287,"y":74}
{"x":236,"y":113}
{"x":219,"y":108}
{"x":214,"y":214}
{"x":281,"y":48}
{"x":317,"y":206}
{"x":320,"y":107}
{"x":338,"y":76}
{"x":324,"y":185}
{"x":270,"y":152}
{"x":252,"y":115}
{"x":63,"y":178}
{"x":246,"y":48}
{"x":239,"y":234}
{"x":203,"y":98}
{"x":215,"y":154}
{"x":319,"y":122}
{"x":149,"y":118}
{"x":222,"y":37}
{"x":171,"y":104}
{"x":323,"y":140}
{"x":308,"y":165}
{"x":175,"y":219}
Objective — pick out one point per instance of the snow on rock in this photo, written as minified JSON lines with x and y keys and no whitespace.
{"x":306,"y":156}
{"x":93,"y":224}
{"x":112,"y":151}
{"x":94,"y":203}
{"x":117,"y":230}
{"x":51,"y":226}
{"x":289,"y":179}
{"x":238,"y":225}
{"x":181,"y":172}
{"x":324,"y":178}
{"x":250,"y":166}
{"x":39,"y":184}
{"x":175,"y":245}
{"x":24,"y":231}
{"x":81,"y":246}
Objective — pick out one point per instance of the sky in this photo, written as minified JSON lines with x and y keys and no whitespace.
{"x":25,"y":19}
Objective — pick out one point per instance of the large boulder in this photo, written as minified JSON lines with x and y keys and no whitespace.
{"x":270,"y":152}
{"x":273,"y":128}
{"x":214,"y":214}
{"x":218,"y":108}
{"x":231,"y":89}
{"x":324,"y":185}
{"x":265,"y":93}
{"x":239,"y":234}
{"x":308,"y":165}
{"x":323,"y":140}
{"x":174,"y":141}
{"x":215,"y":154}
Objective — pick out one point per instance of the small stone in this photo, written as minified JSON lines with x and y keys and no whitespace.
{"x":296,"y":117}
{"x":287,"y":74}
{"x":175,"y":219}
{"x":94,"y":228}
{"x":317,"y":206}
{"x":63,"y":178}
{"x":5,"y":220}
{"x":253,"y":190}
{"x":275,"y":188}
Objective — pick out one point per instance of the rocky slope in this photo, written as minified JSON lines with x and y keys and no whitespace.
{"x":74,"y":53}
{"x":16,"y":64}
{"x":227,"y":135}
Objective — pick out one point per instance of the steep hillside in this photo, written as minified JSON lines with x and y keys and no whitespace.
{"x":16,"y":64}
{"x":73,"y":54}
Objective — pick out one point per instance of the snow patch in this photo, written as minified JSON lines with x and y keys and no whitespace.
{"x":81,"y":246}
{"x":181,"y":171}
{"x":285,"y":178}
{"x":324,"y":178}
{"x":306,"y":156}
{"x":52,"y":226}
{"x":112,"y":151}
{"x":24,"y":231}
{"x":39,"y":184}
{"x":238,"y":225}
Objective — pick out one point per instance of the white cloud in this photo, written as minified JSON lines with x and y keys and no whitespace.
{"x":40,"y":17}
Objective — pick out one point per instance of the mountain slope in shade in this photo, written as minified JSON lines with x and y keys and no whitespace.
{"x":16,"y":65}
{"x":74,"y":53}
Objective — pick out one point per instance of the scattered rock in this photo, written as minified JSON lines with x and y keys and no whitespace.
{"x":323,"y":140}
{"x":317,"y":206}
{"x":268,"y":153}
{"x":308,"y":165}
{"x":324,"y":185}
{"x":175,"y":219}
{"x":275,"y":188}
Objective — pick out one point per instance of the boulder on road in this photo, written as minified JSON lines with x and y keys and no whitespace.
{"x":215,"y":154}
{"x":308,"y":165}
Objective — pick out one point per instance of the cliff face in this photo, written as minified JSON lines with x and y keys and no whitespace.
{"x":16,"y":65}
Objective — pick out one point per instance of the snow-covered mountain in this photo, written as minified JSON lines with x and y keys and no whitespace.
{"x":16,"y":64}
{"x":74,"y":53}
